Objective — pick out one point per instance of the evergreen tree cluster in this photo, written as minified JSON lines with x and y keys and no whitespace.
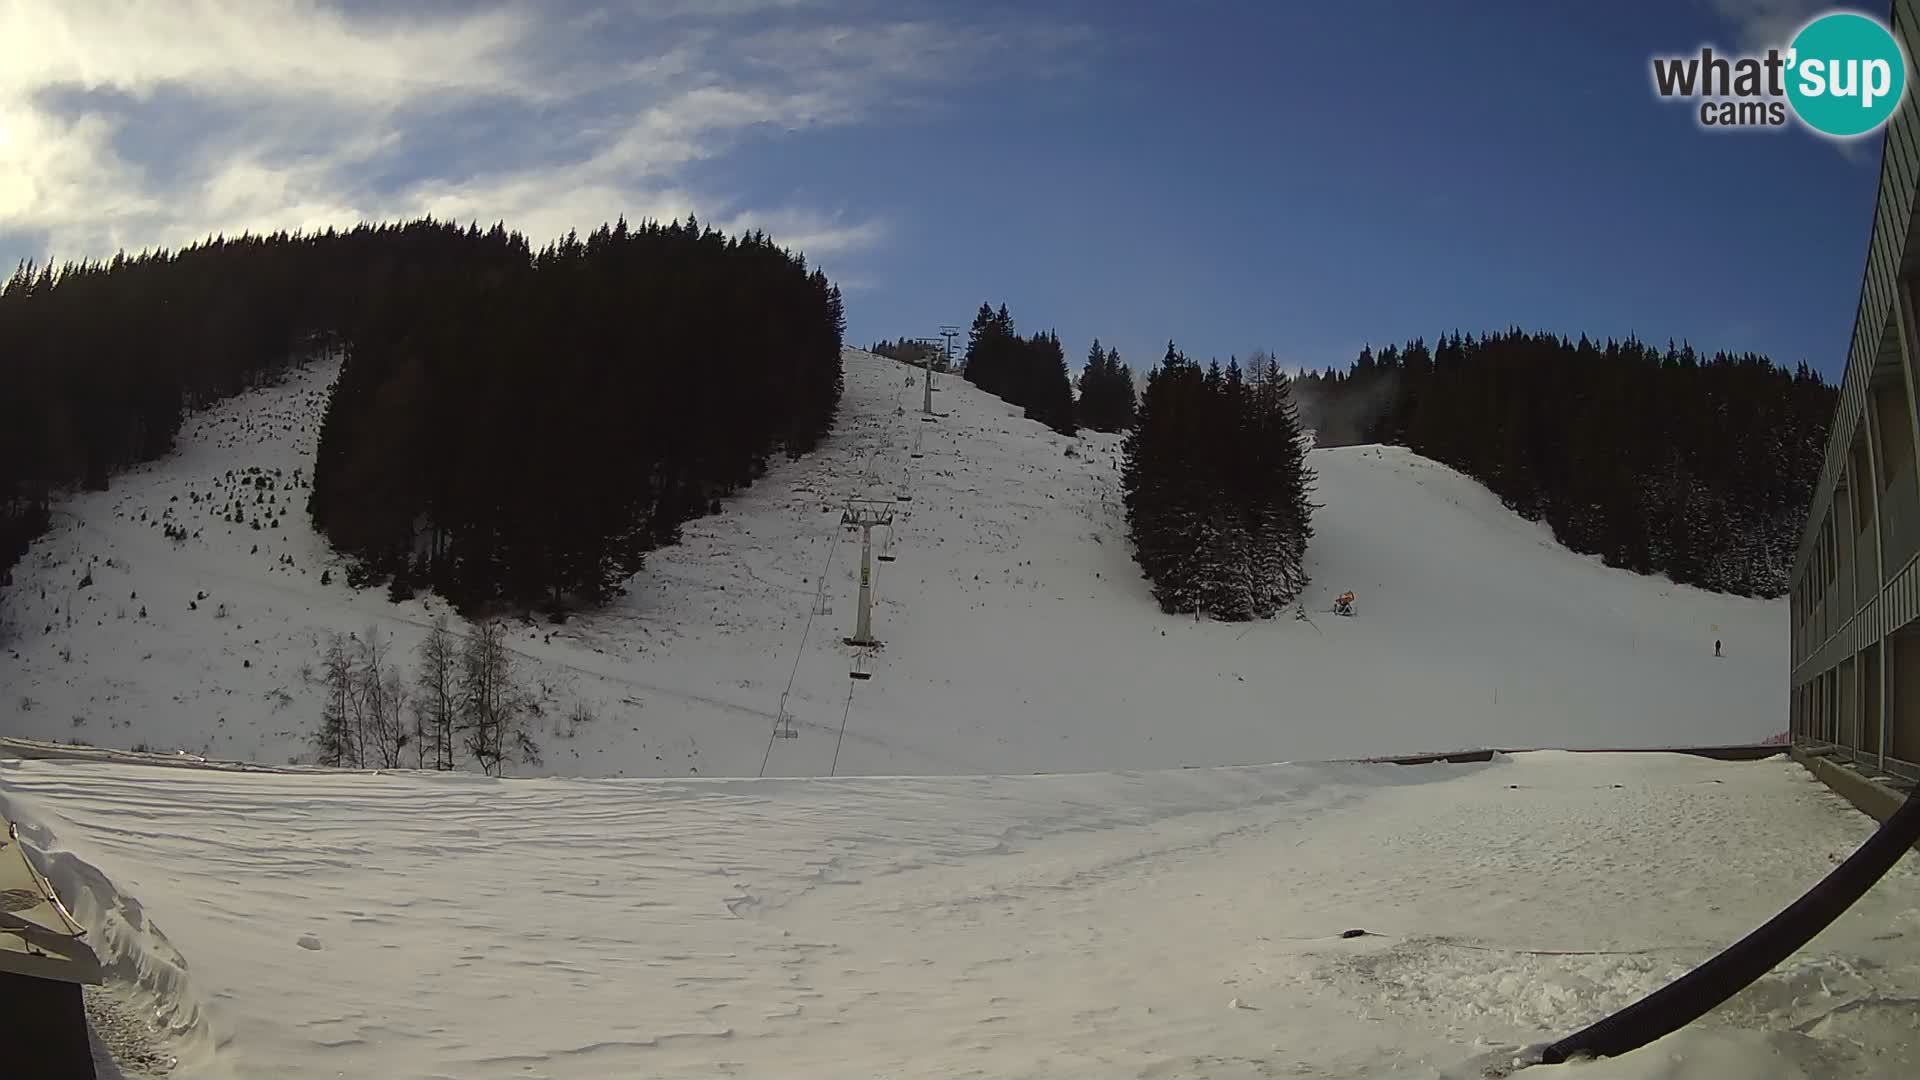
{"x":508,"y":425}
{"x":1659,"y":461}
{"x":97,"y":358}
{"x":525,"y":437}
{"x":1030,"y":372}
{"x":1106,"y":391}
{"x":1216,"y":487}
{"x":908,"y":351}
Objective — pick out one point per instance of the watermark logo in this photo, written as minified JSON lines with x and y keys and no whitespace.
{"x":1842,"y":75}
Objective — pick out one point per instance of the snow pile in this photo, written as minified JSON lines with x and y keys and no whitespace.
{"x":1153,"y":924}
{"x":1018,"y":633}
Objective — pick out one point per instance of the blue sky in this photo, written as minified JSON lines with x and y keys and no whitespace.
{"x":1289,"y":176}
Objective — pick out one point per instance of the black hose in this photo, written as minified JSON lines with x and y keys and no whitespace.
{"x":1691,"y":996}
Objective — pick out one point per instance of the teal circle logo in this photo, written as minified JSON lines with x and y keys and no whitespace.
{"x":1845,"y":74}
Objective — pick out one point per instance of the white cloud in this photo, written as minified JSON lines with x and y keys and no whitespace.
{"x":277,"y":49}
{"x":137,"y":123}
{"x":820,"y":235}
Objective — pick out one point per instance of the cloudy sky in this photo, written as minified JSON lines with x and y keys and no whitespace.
{"x":1272,"y":174}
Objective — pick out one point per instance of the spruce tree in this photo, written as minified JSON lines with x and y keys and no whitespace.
{"x":1216,"y":489}
{"x":1123,"y":395}
{"x":1048,"y":392}
{"x":1095,"y":389}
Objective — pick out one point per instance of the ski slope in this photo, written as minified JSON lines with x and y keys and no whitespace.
{"x":1162,"y":924}
{"x":1019,"y":636}
{"x":1161,"y":903}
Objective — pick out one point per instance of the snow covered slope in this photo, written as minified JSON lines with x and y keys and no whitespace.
{"x":1018,"y":634}
{"x":1175,"y":923}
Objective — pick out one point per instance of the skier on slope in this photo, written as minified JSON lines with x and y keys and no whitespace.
{"x":1343,"y":604}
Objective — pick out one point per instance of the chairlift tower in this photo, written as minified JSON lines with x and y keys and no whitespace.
{"x":949,"y":332}
{"x":926,"y":367}
{"x":866,"y":514}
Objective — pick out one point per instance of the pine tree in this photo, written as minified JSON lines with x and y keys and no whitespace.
{"x":1283,"y":516}
{"x":1106,"y":391}
{"x":1095,"y":389}
{"x":1121,"y":415}
{"x":1164,"y":488}
{"x":1029,"y":372}
{"x":1216,"y":489}
{"x":1048,"y":391}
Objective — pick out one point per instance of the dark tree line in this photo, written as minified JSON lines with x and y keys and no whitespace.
{"x":908,"y":351}
{"x":1216,"y":487}
{"x":526,"y":437}
{"x":1106,"y":391}
{"x":1030,"y":372}
{"x":1660,"y":461}
{"x":507,"y":426}
{"x":97,"y":359}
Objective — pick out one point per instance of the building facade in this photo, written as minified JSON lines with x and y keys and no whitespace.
{"x":1856,"y":582}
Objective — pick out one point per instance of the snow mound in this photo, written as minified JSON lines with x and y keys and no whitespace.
{"x":1019,"y":636}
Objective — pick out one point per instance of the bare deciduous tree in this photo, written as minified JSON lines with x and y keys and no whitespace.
{"x":438,"y":705}
{"x":493,"y":710}
{"x":338,"y":742}
{"x":383,"y":695}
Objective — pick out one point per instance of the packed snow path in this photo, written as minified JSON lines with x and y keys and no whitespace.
{"x":1181,"y":923}
{"x":1019,"y":634}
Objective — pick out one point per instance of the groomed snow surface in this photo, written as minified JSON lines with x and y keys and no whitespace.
{"x":1019,"y":635}
{"x":1175,"y":923}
